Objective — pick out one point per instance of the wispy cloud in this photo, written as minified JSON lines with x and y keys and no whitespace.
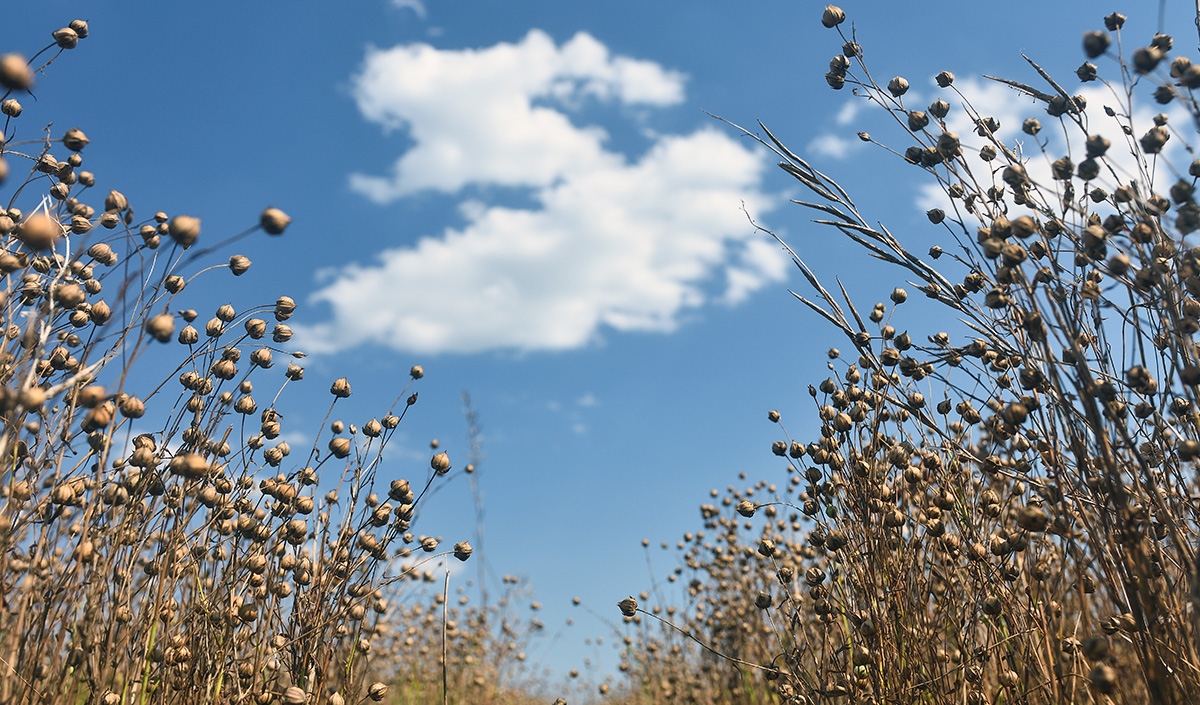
{"x":831,"y":146}
{"x":616,"y":241}
{"x":415,"y":5}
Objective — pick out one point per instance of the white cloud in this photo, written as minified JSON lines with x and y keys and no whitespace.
{"x":830,"y":145}
{"x":850,"y":110}
{"x":416,"y":6}
{"x":480,"y":115}
{"x":626,"y":243}
{"x":588,"y":399}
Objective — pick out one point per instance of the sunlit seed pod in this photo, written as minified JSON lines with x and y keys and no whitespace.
{"x":628,"y":606}
{"x":372,"y":429}
{"x":39,"y":231}
{"x":255,"y":328}
{"x":74,"y":139}
{"x":189,"y":465}
{"x":115,"y":202}
{"x":281,"y":333}
{"x":248,"y":613}
{"x":65,"y":38}
{"x":223,"y":369}
{"x":239,"y":265}
{"x":188,"y":335}
{"x":401,"y":491}
{"x":284,"y":308}
{"x":832,"y":16}
{"x":261,"y":357}
{"x":440,"y":463}
{"x":274,"y":221}
{"x":184,"y":229}
{"x":15,"y":74}
{"x":462,"y":550}
{"x":377,"y":691}
{"x":174,"y":283}
{"x":131,"y":407}
{"x":340,"y":388}
{"x":1031,"y":518}
{"x":948,"y":144}
{"x":339,"y":447}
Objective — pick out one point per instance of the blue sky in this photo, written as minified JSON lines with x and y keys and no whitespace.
{"x":528,"y":200}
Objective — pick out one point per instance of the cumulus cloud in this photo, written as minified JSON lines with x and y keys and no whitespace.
{"x":481,"y":115}
{"x":611,"y":241}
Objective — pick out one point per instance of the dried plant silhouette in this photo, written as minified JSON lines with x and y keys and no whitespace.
{"x":1002,"y":505}
{"x":161,"y":541}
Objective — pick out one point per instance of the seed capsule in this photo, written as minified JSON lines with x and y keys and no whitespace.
{"x":440,"y":463}
{"x":1095,"y":44}
{"x":74,"y":139}
{"x":15,"y":74}
{"x":184,"y":229}
{"x":832,"y":16}
{"x":628,"y":606}
{"x":274,"y":221}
